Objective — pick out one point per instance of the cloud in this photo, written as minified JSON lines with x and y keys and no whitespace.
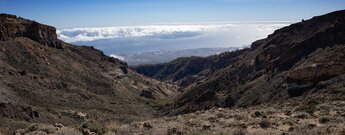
{"x":92,"y":34}
{"x":131,"y":39}
{"x":117,"y":57}
{"x":160,"y":31}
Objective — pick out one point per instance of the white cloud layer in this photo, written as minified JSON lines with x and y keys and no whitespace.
{"x":117,"y":57}
{"x":93,"y":34}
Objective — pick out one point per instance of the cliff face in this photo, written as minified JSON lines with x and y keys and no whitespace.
{"x":43,"y":79}
{"x":293,"y":61}
{"x":11,"y":27}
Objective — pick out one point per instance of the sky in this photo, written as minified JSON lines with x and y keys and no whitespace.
{"x":102,"y":13}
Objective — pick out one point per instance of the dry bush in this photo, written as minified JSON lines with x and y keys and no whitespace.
{"x":325,"y":119}
{"x":239,"y":131}
{"x":265,"y":123}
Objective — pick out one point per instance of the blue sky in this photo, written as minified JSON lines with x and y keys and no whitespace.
{"x":99,"y":13}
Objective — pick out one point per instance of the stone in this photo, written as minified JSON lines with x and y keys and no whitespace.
{"x":59,"y":125}
{"x":147,"y":94}
{"x":81,"y":115}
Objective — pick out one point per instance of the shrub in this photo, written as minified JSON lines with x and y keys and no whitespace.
{"x":93,"y":127}
{"x":33,"y":127}
{"x":238,"y":131}
{"x":257,"y":114}
{"x":49,"y":129}
{"x":325,"y":119}
{"x":265,"y":123}
{"x":309,"y":107}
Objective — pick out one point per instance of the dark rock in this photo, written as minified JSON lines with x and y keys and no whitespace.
{"x":124,"y":69}
{"x":295,"y":90}
{"x":229,"y":102}
{"x":147,"y":126}
{"x":23,"y":72}
{"x":147,"y":94}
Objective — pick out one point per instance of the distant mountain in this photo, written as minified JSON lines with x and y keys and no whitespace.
{"x":188,"y":70}
{"x":142,"y":58}
{"x":43,"y":79}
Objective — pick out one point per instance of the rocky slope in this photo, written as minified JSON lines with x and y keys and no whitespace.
{"x":306,"y":58}
{"x":291,"y":117}
{"x":188,"y":70}
{"x":259,"y":120}
{"x":43,"y":79}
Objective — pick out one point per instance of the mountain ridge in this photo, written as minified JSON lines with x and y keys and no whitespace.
{"x":185,"y":71}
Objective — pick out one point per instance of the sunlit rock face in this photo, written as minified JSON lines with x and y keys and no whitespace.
{"x":11,"y":26}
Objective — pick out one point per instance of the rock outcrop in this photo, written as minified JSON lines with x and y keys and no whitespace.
{"x":11,"y":27}
{"x":317,"y":72}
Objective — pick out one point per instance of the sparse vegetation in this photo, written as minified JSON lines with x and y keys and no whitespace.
{"x":265,"y":123}
{"x":309,"y":107}
{"x":325,"y":119}
{"x":239,"y":131}
{"x":95,"y":127}
{"x":34,"y":127}
{"x":237,"y":121}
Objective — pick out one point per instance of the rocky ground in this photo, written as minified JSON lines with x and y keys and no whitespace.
{"x":295,"y":117}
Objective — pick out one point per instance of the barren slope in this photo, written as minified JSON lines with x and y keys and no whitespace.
{"x":43,"y":79}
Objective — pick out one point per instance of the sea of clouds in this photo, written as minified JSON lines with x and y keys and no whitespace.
{"x":123,"y":40}
{"x":91,"y":34}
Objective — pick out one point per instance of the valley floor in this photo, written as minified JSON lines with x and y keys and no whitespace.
{"x":294,"y":118}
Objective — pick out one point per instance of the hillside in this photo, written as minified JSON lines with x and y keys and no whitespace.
{"x":188,"y":70}
{"x":301,"y":60}
{"x":43,"y":79}
{"x":164,"y":56}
